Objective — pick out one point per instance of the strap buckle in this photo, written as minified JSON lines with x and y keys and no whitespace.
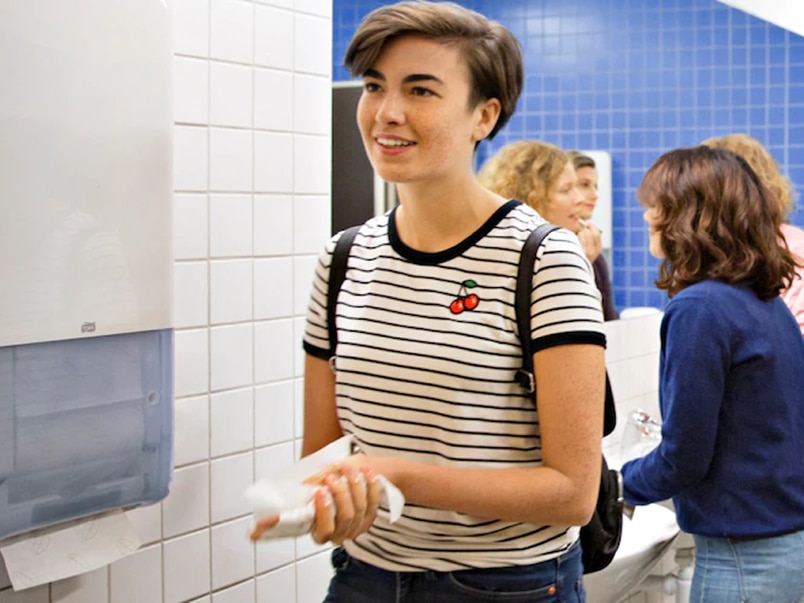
{"x":525,"y":379}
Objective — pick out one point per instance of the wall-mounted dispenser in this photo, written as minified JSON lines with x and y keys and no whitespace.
{"x":86,"y":354}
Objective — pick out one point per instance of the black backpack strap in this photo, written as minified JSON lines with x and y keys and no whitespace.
{"x":524,"y":282}
{"x":337,"y":272}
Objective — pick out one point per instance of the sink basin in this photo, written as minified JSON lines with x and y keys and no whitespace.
{"x":646,"y":538}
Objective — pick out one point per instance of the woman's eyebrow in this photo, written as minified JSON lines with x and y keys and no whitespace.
{"x":409,"y":79}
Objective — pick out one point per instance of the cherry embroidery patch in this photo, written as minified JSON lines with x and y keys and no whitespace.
{"x":465,"y":300}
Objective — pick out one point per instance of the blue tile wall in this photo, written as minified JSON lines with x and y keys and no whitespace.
{"x":637,"y":78}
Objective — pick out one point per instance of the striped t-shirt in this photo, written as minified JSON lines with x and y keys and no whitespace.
{"x":427,"y":379}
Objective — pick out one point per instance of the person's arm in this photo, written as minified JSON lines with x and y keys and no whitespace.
{"x":692,"y":383}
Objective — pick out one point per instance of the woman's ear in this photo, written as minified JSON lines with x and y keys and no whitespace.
{"x":487,"y":112}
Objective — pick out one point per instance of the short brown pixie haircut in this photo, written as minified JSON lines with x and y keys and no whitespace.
{"x":716,"y":220}
{"x":525,"y":170}
{"x":492,"y":52}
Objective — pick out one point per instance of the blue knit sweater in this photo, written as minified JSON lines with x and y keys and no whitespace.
{"x":731,"y":393}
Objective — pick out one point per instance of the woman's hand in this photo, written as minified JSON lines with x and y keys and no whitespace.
{"x":347,"y":504}
{"x":591,"y":241}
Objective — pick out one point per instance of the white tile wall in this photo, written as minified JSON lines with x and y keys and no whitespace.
{"x":251,"y":212}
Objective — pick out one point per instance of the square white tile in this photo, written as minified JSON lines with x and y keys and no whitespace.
{"x":231,"y":476}
{"x":191,"y":432}
{"x":273,"y":288}
{"x":273,"y":225}
{"x":274,"y":553}
{"x":241,"y":593}
{"x":190,"y":158}
{"x":232,"y":422}
{"x":303,"y":272}
{"x":278,"y":585}
{"x":231,"y":292}
{"x":232,"y":554}
{"x":186,"y":508}
{"x":191,"y":27}
{"x":273,"y":100}
{"x":312,"y":164}
{"x":312,"y":578}
{"x":190,"y":232}
{"x":273,"y":340}
{"x":138,"y":577}
{"x":231,"y":95}
{"x":230,"y":160}
{"x":191,"y":90}
{"x":37,"y":594}
{"x":191,"y":351}
{"x":230,"y":225}
{"x":190,"y":294}
{"x":232,"y":356}
{"x":187,"y":565}
{"x":312,"y":223}
{"x":322,"y":8}
{"x":232,"y":353}
{"x":273,"y":37}
{"x":312,"y":110}
{"x":231,"y":31}
{"x":312,"y":45}
{"x":273,"y":413}
{"x":273,"y":162}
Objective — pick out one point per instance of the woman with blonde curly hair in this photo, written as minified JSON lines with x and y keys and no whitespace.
{"x":764,"y":165}
{"x":543,"y":176}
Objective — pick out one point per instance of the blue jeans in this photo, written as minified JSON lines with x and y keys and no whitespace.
{"x":749,"y":571}
{"x":555,"y":581}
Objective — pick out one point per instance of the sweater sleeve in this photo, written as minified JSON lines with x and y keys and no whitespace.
{"x":693,"y":368}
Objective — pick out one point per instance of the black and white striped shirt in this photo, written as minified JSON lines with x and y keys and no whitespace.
{"x":422,"y":379}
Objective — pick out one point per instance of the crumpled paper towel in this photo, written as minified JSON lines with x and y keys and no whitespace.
{"x":285,"y":494}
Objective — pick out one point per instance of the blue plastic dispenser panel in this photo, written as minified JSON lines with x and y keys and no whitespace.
{"x":85,"y":426}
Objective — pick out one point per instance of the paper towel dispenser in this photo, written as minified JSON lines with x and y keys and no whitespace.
{"x":85,"y":426}
{"x":86,"y":352}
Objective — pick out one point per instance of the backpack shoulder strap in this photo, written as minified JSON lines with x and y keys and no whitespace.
{"x":524,"y":281}
{"x":337,"y":273}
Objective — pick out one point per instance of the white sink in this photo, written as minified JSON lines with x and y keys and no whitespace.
{"x":646,"y":538}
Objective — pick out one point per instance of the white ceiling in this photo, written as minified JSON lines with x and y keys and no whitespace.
{"x":788,"y":14}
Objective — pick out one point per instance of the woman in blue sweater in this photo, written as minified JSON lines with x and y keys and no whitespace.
{"x":731,"y":388}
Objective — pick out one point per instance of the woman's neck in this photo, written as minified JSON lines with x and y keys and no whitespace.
{"x":431,"y":220}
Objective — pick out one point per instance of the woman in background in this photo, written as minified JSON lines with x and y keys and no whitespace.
{"x":589,"y":235}
{"x":731,"y":379}
{"x":764,"y":165}
{"x":543,"y":176}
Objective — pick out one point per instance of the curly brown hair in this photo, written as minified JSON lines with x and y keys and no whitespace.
{"x":525,"y":170}
{"x":493,"y":54}
{"x":716,"y":220}
{"x":763,"y":164}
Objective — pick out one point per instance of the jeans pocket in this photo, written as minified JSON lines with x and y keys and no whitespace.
{"x":512,"y":584}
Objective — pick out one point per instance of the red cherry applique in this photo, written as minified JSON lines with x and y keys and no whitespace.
{"x":464,"y":300}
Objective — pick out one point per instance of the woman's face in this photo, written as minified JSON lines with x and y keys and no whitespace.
{"x":655,"y":243}
{"x":564,"y":201}
{"x":414,"y":114}
{"x":587,"y":184}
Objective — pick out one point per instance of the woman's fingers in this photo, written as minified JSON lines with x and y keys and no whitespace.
{"x":324,"y":516}
{"x":263,"y":525}
{"x":373,"y":492}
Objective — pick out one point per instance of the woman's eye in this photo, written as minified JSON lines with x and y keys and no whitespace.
{"x":370,"y":86}
{"x":418,"y":91}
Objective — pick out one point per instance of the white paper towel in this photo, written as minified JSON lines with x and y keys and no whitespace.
{"x":284,"y":493}
{"x":69,"y":549}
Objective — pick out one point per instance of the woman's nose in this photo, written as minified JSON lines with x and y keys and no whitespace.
{"x":391,"y":109}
